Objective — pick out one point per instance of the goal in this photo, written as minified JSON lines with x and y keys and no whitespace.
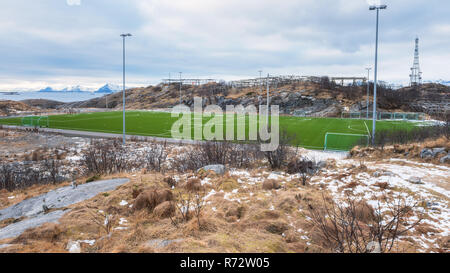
{"x":344,"y":142}
{"x":35,"y":121}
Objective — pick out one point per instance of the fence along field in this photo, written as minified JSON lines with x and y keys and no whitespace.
{"x":309,"y":132}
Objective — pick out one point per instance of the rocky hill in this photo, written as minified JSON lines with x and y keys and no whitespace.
{"x":43,"y":104}
{"x":14,"y":107}
{"x":309,"y":97}
{"x":317,"y":98}
{"x":428,"y":98}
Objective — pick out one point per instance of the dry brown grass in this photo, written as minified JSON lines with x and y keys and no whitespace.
{"x":262,"y":221}
{"x":408,"y":151}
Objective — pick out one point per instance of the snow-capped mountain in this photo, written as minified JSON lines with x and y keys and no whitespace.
{"x":443,"y":82}
{"x":77,"y":88}
{"x":108,"y":88}
{"x":47,"y":89}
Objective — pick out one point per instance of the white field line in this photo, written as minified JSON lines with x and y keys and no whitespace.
{"x":368,"y":132}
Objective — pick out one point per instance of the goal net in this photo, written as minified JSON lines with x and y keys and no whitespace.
{"x":353,"y":115}
{"x":344,"y":142}
{"x":35,"y":121}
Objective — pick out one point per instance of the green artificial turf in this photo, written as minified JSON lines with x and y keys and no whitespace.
{"x":309,"y":132}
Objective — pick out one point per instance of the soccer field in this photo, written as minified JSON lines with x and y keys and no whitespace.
{"x":310,"y":133}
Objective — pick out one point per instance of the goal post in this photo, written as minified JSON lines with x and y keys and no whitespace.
{"x":36,"y":121}
{"x":344,"y":142}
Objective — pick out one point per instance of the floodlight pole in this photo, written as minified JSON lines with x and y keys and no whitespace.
{"x":368,"y":90}
{"x":124,"y":36}
{"x":181,"y":82}
{"x":260,"y":81}
{"x":268,"y":99}
{"x":377,"y":8}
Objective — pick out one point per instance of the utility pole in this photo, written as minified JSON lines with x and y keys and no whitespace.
{"x":368,"y":89}
{"x":124,"y":36}
{"x":377,"y":8}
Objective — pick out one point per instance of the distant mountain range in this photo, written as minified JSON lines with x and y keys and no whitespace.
{"x":106,"y":89}
{"x":443,"y":82}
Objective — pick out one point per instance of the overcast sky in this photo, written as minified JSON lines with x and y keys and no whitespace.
{"x":77,"y":42}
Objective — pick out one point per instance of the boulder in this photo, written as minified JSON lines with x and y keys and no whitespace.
{"x":416,"y":180}
{"x":426,"y":153}
{"x":160,"y":243}
{"x":73,"y":247}
{"x":383,"y":173}
{"x":218,"y":169}
{"x":373,"y":247}
{"x":438,"y":151}
{"x":322,"y":164}
{"x":445,"y":159}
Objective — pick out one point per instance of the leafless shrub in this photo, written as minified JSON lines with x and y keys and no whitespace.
{"x":302,"y":166}
{"x":7,"y":177}
{"x":278,"y":159}
{"x":244,"y":155}
{"x":52,"y":167}
{"x":170,"y":181}
{"x":107,"y":157}
{"x":199,"y":204}
{"x":346,"y":230}
{"x":217,"y":152}
{"x":404,"y":136}
{"x":155,"y":156}
{"x":103,"y":220}
{"x":19,"y":176}
{"x":183,"y":205}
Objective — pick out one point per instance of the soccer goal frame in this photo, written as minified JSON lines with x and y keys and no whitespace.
{"x":326,"y":142}
{"x":36,"y":121}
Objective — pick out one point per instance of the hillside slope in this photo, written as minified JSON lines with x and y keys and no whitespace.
{"x":9,"y":107}
{"x":306,"y":96}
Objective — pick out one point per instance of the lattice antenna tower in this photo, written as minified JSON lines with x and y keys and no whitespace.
{"x":416,"y":74}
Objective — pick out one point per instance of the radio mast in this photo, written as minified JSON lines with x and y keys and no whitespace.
{"x":416,"y":74}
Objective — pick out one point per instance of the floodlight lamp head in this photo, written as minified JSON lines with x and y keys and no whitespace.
{"x":126,"y":35}
{"x":378,"y":7}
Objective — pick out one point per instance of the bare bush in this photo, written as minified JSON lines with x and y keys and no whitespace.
{"x":302,"y":166}
{"x":355,"y":227}
{"x":405,"y":136}
{"x":19,"y":176}
{"x":183,"y":205}
{"x":217,"y":152}
{"x":52,"y":167}
{"x":104,"y":220}
{"x":155,"y":156}
{"x":199,"y":204}
{"x":278,"y":159}
{"x":107,"y":157}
